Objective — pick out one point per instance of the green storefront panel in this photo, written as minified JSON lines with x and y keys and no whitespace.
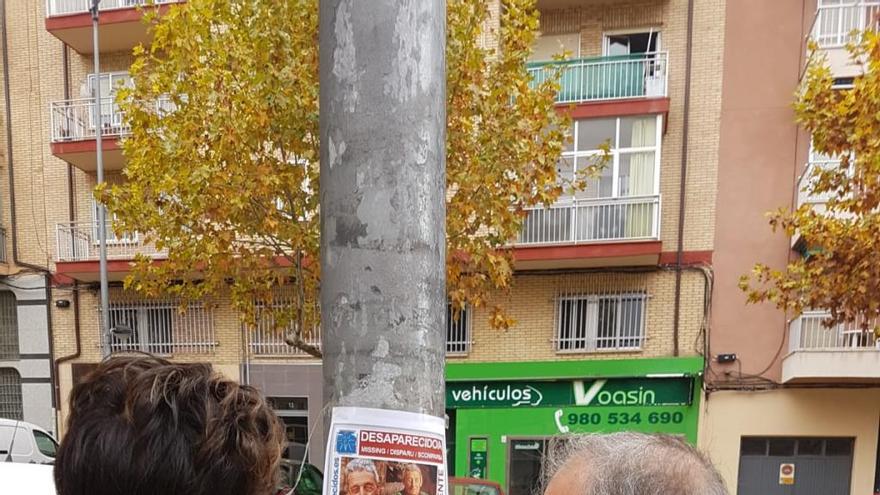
{"x":519,"y":405}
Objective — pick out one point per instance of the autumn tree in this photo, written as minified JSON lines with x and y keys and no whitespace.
{"x":840,"y":269}
{"x":222,"y":172}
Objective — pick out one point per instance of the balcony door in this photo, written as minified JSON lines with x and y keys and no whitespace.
{"x":109,"y":83}
{"x":640,"y":65}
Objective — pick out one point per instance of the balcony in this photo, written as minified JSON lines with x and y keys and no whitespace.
{"x":593,"y":232}
{"x":623,"y":77}
{"x":73,"y":131}
{"x":804,"y":197}
{"x":120,"y":25}
{"x":77,"y":251}
{"x":843,"y":353}
{"x":835,"y":23}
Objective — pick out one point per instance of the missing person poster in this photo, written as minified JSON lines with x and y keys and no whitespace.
{"x":381,"y":452}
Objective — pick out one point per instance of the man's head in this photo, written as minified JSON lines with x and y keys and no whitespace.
{"x":361,"y":477}
{"x":142,"y":426}
{"x":412,"y":480}
{"x":628,"y":464}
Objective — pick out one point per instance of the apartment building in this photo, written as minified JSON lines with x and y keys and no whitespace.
{"x":612,"y":284}
{"x":619,"y":291}
{"x":49,"y":301}
{"x":790,"y":406}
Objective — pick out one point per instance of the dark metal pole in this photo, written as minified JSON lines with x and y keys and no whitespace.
{"x":102,"y":210}
{"x":383,"y":178}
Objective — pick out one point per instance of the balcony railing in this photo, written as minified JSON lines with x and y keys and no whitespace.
{"x":807,"y":333}
{"x":79,"y":242}
{"x":804,"y":196}
{"x":593,"y":220}
{"x":640,"y":75}
{"x":74,"y":120}
{"x":66,"y":7}
{"x":158,"y":326}
{"x":836,"y":23}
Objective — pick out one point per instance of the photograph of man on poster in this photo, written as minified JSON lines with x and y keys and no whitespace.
{"x":362,"y":476}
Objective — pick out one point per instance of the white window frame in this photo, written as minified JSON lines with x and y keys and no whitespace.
{"x":465,"y":319}
{"x":575,"y":154}
{"x":589,"y":343}
{"x":606,"y":42}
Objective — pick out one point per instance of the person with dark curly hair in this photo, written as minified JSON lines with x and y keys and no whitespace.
{"x":145,"y":426}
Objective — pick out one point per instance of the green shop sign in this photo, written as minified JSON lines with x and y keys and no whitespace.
{"x":592,"y":392}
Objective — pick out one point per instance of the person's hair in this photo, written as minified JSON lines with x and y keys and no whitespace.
{"x":142,"y":425}
{"x":358,"y":464}
{"x":412,"y":468}
{"x":630,"y":463}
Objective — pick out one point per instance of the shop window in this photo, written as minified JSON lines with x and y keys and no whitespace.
{"x":458,"y":330}
{"x":10,"y":394}
{"x":8,"y":326}
{"x":606,"y":322}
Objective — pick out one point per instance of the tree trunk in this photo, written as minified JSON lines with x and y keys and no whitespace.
{"x":383,"y":184}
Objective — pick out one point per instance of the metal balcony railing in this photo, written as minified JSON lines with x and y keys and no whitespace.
{"x":66,"y":7}
{"x":807,"y":333}
{"x":640,"y":75}
{"x":74,"y":120}
{"x":836,"y":23}
{"x":158,"y":326}
{"x":79,"y":242}
{"x":803,"y":185}
{"x":593,"y":220}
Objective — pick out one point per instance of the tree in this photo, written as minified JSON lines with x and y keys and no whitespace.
{"x":223,"y":172}
{"x":840,"y":270}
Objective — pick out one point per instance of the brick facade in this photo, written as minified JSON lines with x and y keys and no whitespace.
{"x":37,"y":73}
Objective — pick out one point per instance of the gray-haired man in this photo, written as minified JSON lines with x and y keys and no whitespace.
{"x":628,"y":464}
{"x":361,"y":477}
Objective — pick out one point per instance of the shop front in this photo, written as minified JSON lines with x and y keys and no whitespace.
{"x":502,"y":415}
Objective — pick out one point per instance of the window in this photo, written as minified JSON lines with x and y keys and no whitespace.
{"x":151,"y":329}
{"x":8,"y":326}
{"x":621,"y":203}
{"x":10,"y":394}
{"x":606,"y":322}
{"x":629,"y":43}
{"x":458,"y":331}
{"x":45,"y":443}
{"x":633,"y":169}
{"x":549,"y":45}
{"x":796,"y":447}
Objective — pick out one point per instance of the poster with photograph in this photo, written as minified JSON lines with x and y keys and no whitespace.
{"x":381,"y":452}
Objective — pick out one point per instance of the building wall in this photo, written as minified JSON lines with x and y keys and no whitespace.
{"x":728,"y":416}
{"x":669,"y":17}
{"x":532,"y":302}
{"x":34,"y":363}
{"x":762,"y":153}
